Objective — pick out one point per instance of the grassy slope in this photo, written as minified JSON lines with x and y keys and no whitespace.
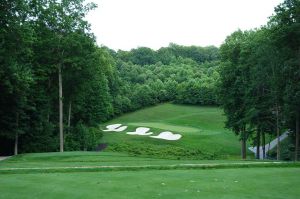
{"x":202,"y":129}
{"x":220,"y":183}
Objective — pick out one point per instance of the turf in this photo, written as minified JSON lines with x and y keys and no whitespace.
{"x":202,"y":128}
{"x":44,"y":175}
{"x":249,"y":183}
{"x":80,"y":159}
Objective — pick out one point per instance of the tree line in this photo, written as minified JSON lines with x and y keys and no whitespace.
{"x":181,"y":74}
{"x":51,"y":74}
{"x":260,"y":81}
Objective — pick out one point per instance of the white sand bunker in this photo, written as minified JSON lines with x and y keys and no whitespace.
{"x":140,"y":131}
{"x":167,"y":135}
{"x":115,"y":128}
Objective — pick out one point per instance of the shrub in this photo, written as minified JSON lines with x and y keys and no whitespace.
{"x":83,"y":138}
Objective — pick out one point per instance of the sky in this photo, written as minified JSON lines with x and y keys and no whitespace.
{"x":127,"y":24}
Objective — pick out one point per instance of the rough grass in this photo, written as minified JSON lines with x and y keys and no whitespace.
{"x":202,"y":128}
{"x":106,"y":161}
{"x":73,"y":159}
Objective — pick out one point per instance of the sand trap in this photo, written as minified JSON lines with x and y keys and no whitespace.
{"x":140,"y":131}
{"x":167,"y":135}
{"x":115,"y":128}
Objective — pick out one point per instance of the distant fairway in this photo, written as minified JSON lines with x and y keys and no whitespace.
{"x":160,"y":125}
{"x":202,"y":129}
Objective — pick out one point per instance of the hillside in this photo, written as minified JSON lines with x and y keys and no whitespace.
{"x":202,"y":130}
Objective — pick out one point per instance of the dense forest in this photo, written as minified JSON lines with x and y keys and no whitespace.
{"x":260,"y":80}
{"x":175,"y":73}
{"x":57,"y":84}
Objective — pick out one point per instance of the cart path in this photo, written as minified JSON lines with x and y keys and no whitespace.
{"x":4,"y":157}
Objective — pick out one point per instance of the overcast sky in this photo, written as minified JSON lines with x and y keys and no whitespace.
{"x":127,"y":24}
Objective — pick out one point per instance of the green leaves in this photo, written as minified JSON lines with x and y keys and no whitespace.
{"x":259,"y":73}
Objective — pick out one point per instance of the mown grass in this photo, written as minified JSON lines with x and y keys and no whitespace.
{"x":235,"y":183}
{"x":202,"y":128}
{"x":116,"y":175}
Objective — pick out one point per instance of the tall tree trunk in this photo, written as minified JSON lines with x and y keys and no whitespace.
{"x":243,"y":142}
{"x":263,"y":137}
{"x":61,"y":130}
{"x":243,"y":145}
{"x":16,"y":144}
{"x":258,"y":144}
{"x":297,"y":137}
{"x":278,"y":133}
{"x":48,"y":109}
{"x":16,"y":135}
{"x":69,"y":115}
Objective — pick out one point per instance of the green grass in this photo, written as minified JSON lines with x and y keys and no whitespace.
{"x":108,"y":161}
{"x":80,"y":175}
{"x":170,"y":127}
{"x":202,"y":128}
{"x":80,"y":159}
{"x":248,"y":183}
